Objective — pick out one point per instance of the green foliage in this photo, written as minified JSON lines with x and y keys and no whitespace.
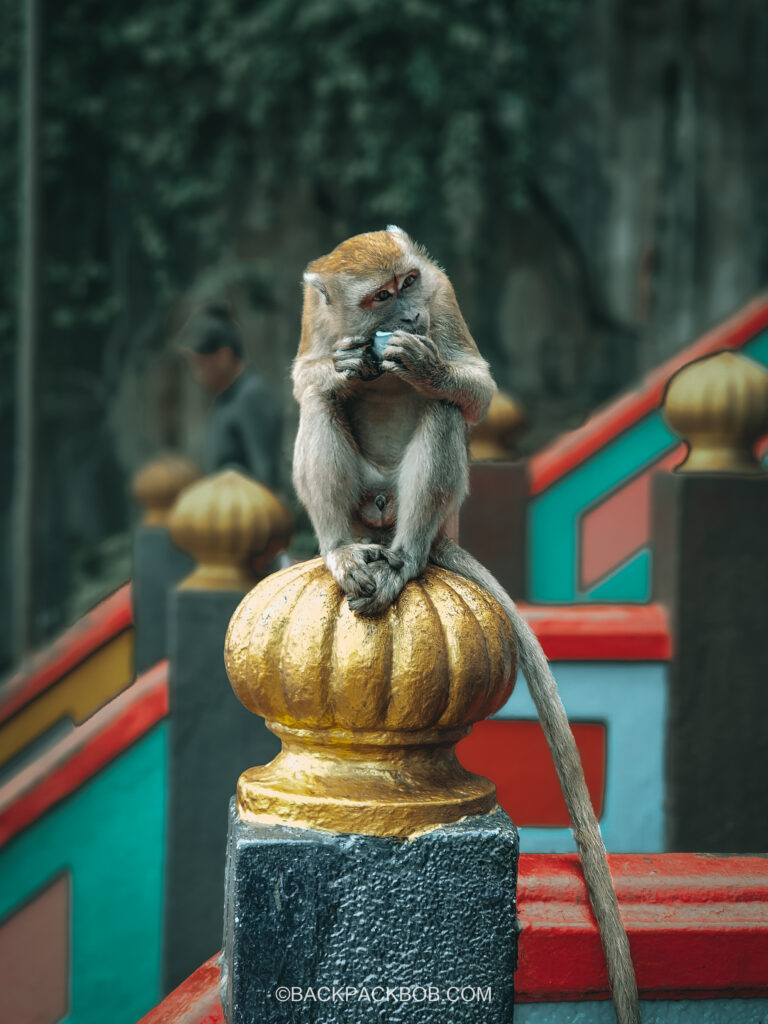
{"x":9,"y":126}
{"x":166,"y":121}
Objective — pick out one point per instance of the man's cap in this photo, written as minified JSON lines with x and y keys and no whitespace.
{"x":210,"y":329}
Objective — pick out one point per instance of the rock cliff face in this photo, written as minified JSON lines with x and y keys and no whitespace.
{"x":648,"y":223}
{"x":651,"y":199}
{"x":648,"y":220}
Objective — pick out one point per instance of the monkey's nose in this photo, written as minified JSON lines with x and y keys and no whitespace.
{"x":410,"y":323}
{"x":380,"y":502}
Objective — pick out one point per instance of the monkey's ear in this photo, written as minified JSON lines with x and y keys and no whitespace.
{"x":393,"y":229}
{"x":317,"y":282}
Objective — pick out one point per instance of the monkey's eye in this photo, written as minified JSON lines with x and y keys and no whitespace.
{"x":409,"y":280}
{"x":383,"y":295}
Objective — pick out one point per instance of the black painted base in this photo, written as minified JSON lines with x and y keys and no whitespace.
{"x":212,"y":738}
{"x":711,"y":570}
{"x":157,"y":566}
{"x":327,"y":928}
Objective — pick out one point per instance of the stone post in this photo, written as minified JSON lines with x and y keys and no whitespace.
{"x":492,"y":519}
{"x":232,"y":526}
{"x":369,"y":876}
{"x":710,"y":531}
{"x":157,"y":563}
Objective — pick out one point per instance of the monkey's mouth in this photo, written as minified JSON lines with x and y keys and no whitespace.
{"x":377,"y":509}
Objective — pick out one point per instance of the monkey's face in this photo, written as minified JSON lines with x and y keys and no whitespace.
{"x":381,"y":281}
{"x":387,"y":303}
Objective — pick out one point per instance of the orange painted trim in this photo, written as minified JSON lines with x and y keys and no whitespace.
{"x":697,"y":925}
{"x":93,"y":630}
{"x":195,"y":1001}
{"x":603,"y":426}
{"x":595,"y":632}
{"x":87,"y":749}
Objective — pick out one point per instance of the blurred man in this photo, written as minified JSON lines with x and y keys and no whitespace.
{"x":246,"y":424}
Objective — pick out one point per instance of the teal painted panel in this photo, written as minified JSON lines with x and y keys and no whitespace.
{"x":630,"y":582}
{"x":661,"y":1011}
{"x":758,"y":348}
{"x":631,"y":699}
{"x":553,"y":516}
{"x":110,"y":834}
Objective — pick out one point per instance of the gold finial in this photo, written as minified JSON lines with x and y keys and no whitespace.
{"x":158,"y":484}
{"x":225,"y":522}
{"x":495,"y":436}
{"x":368,"y":709}
{"x":719,"y":406}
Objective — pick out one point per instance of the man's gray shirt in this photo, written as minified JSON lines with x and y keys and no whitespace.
{"x":245,"y":430}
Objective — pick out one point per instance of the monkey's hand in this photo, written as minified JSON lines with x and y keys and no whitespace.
{"x":390,"y":574}
{"x":415,"y":358}
{"x":354,"y":359}
{"x":351,"y":566}
{"x":463,"y":382}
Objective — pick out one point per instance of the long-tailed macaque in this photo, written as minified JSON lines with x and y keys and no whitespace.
{"x":381,"y":464}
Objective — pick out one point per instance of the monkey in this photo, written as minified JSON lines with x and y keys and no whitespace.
{"x":381,"y":465}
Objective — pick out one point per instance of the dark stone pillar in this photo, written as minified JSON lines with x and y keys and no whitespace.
{"x":711,"y":569}
{"x":212,"y":739}
{"x":492,"y":521}
{"x":378,"y":929}
{"x":158,"y":565}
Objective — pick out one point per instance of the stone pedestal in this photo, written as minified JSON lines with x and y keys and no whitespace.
{"x":212,"y":739}
{"x":711,"y":570}
{"x":492,"y":521}
{"x":328,"y":927}
{"x":157,"y":566}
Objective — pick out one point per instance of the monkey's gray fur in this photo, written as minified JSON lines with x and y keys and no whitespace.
{"x":381,"y":464}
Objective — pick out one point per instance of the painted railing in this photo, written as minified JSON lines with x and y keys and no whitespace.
{"x":588,"y":516}
{"x":698,"y":929}
{"x":82,"y":830}
{"x":70,"y":679}
{"x":611,"y":665}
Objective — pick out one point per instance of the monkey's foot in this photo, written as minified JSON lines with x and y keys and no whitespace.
{"x":389,"y":579}
{"x":352,"y":567}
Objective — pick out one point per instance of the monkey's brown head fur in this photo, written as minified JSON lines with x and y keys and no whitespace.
{"x":381,"y":280}
{"x":368,"y":255}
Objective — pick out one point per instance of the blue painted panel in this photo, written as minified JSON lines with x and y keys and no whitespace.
{"x":110,"y":834}
{"x":661,"y":1011}
{"x":631,"y":699}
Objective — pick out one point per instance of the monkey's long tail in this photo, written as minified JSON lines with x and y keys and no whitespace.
{"x":565,"y":755}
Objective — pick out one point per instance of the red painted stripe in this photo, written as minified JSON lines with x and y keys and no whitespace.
{"x":603,"y":426}
{"x":195,"y":1001}
{"x":108,"y":733}
{"x":516,"y":756}
{"x":620,"y":525}
{"x":697,"y":924}
{"x":618,"y":632}
{"x":93,"y":630}
{"x":698,"y":928}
